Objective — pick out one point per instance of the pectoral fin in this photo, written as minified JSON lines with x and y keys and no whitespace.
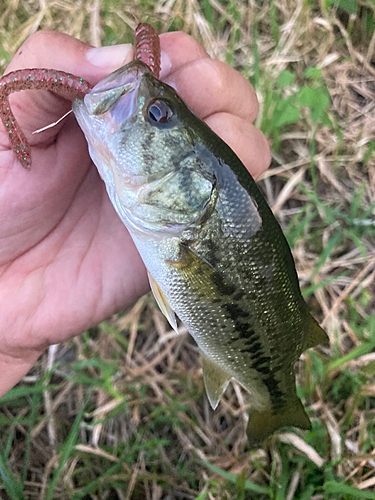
{"x":163,"y":303}
{"x":215,"y":379}
{"x":203,"y":279}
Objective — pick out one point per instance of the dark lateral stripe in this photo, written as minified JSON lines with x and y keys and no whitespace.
{"x":239,"y":295}
{"x":255,"y":348}
{"x":249,"y":343}
{"x":262,"y":364}
{"x":234,"y":311}
{"x":223,"y":287}
{"x":264,"y":370}
{"x":246,"y":330}
{"x":278,"y":398}
{"x":213,"y":251}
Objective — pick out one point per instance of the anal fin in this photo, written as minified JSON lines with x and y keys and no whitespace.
{"x":162,"y":302}
{"x":215,"y":380}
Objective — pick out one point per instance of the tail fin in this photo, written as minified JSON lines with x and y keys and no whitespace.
{"x":316,"y":334}
{"x":263,"y":423}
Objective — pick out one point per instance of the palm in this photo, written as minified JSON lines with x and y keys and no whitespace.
{"x":66,"y":260}
{"x":63,"y":239}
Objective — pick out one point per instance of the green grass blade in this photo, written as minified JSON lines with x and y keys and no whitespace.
{"x":11,"y":485}
{"x":361,"y":247}
{"x":274,"y":23}
{"x":35,"y":400}
{"x":297,"y":228}
{"x":330,"y":214}
{"x":361,"y":350}
{"x":9,"y":440}
{"x":68,"y":447}
{"x":332,"y":242}
{"x":256,"y":77}
{"x":369,"y":212}
{"x":370,"y":150}
{"x":202,"y":496}
{"x":93,"y":484}
{"x":19,"y":392}
{"x":308,"y":493}
{"x":312,"y":289}
{"x":249,"y":485}
{"x":332,"y":487}
{"x":357,"y":201}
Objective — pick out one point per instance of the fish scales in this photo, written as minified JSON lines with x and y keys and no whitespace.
{"x":215,"y":254}
{"x":232,"y":302}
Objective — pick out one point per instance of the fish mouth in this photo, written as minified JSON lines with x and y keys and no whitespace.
{"x":117,"y":93}
{"x":111,"y":106}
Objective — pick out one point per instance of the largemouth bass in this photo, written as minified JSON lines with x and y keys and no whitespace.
{"x":215,"y":254}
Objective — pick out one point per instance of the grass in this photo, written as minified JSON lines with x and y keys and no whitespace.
{"x":120,"y":412}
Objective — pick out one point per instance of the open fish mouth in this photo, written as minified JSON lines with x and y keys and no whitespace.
{"x":117,"y":92}
{"x":113,"y":99}
{"x":107,"y":111}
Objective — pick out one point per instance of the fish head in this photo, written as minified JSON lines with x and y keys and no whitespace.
{"x":142,"y":138}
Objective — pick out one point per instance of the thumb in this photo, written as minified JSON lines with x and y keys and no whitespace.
{"x":54,"y":50}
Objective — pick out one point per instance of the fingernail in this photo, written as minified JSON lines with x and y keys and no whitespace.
{"x":112,"y":56}
{"x":165,"y":64}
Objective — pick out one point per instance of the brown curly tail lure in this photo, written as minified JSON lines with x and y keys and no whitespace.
{"x":147,"y":49}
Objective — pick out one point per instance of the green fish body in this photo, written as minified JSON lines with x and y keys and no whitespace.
{"x":215,"y":254}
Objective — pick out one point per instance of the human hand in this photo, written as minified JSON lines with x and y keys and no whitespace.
{"x":66,"y":260}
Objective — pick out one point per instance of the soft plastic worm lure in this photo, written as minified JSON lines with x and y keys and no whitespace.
{"x":59,"y":82}
{"x":147,"y":49}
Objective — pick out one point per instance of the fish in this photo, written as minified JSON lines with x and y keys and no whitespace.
{"x":215,"y":254}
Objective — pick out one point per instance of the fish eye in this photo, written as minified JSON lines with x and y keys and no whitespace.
{"x":160,"y":111}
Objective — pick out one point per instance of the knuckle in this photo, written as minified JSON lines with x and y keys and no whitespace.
{"x":40,"y":43}
{"x":233,"y":89}
{"x":190,"y":45}
{"x":39,"y":38}
{"x":215,"y":73}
